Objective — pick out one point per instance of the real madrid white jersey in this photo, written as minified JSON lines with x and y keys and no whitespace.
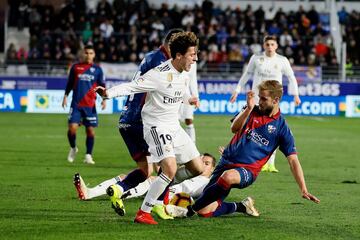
{"x":166,"y":90}
{"x":262,"y":68}
{"x":193,"y":186}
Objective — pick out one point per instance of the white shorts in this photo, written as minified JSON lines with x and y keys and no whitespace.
{"x":186,"y":112}
{"x":164,"y":143}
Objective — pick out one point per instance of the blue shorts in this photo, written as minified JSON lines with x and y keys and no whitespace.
{"x":246,"y":177}
{"x":133,"y":136}
{"x":84,"y":115}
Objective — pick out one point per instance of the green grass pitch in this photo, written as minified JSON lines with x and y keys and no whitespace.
{"x":38,"y":200}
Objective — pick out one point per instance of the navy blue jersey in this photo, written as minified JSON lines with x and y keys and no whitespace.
{"x":83,"y":78}
{"x":252,"y":146}
{"x":134,"y":103}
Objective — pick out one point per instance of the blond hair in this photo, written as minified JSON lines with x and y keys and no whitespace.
{"x":274,"y":87}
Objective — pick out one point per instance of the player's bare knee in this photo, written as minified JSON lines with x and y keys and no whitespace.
{"x":208,"y":209}
{"x":73,"y":128}
{"x":230,"y":176}
{"x":195,"y":166}
{"x":169,"y":167}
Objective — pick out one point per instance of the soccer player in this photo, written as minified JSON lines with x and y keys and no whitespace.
{"x":193,"y":186}
{"x":258,"y":130}
{"x":265,"y":66}
{"x":165,"y":86}
{"x":186,"y":113}
{"x":83,"y":78}
{"x":131,"y":130}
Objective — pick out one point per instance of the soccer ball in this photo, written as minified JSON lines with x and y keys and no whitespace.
{"x":181,"y":199}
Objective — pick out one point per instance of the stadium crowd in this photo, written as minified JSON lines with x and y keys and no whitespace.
{"x":126,"y":30}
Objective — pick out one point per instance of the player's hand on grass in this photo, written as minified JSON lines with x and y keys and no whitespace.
{"x":101,"y":91}
{"x":194,"y":101}
{"x":310,"y":197}
{"x":233,"y":97}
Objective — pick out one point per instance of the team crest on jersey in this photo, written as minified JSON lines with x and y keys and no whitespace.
{"x":92,"y":69}
{"x":261,"y":60}
{"x":276,"y":66}
{"x":170,"y":77}
{"x":139,"y":80}
{"x":271,"y":128}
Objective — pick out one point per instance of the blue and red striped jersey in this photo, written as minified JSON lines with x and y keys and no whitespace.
{"x":83,"y":78}
{"x":134,"y":103}
{"x":258,"y":139}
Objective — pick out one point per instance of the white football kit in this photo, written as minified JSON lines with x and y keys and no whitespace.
{"x":193,"y":186}
{"x":187,"y":111}
{"x":166,"y":90}
{"x":262,"y":68}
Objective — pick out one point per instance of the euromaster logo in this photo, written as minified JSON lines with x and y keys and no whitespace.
{"x":42,"y":101}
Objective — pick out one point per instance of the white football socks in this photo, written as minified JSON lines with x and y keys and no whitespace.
{"x":100,"y":189}
{"x":190,"y":130}
{"x":156,"y":189}
{"x":139,"y":190}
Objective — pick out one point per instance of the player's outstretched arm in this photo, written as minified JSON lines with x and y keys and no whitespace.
{"x":298,"y":174}
{"x":233,"y":97}
{"x":240,"y":119}
{"x":64,"y":102}
{"x":101,"y":91}
{"x":103,"y":104}
{"x":297,"y":100}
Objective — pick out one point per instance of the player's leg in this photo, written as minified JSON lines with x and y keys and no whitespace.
{"x":138,"y":149}
{"x":207,"y":202}
{"x":73,"y":124}
{"x":245,"y":206}
{"x":90,"y":140}
{"x":100,"y":189}
{"x":160,"y":142}
{"x":168,"y":166}
{"x":218,"y":188}
{"x":140,"y":189}
{"x":187,"y":155}
{"x":90,"y":121}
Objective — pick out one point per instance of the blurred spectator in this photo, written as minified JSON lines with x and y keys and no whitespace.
{"x":285,"y":39}
{"x":106,"y":29}
{"x":128,"y":29}
{"x":11,"y":54}
{"x":87,"y":32}
{"x":103,"y":9}
{"x":22,"y":15}
{"x":343,"y":16}
{"x":188,"y":18}
{"x":321,"y":49}
{"x":22,"y":55}
{"x":313,"y":16}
